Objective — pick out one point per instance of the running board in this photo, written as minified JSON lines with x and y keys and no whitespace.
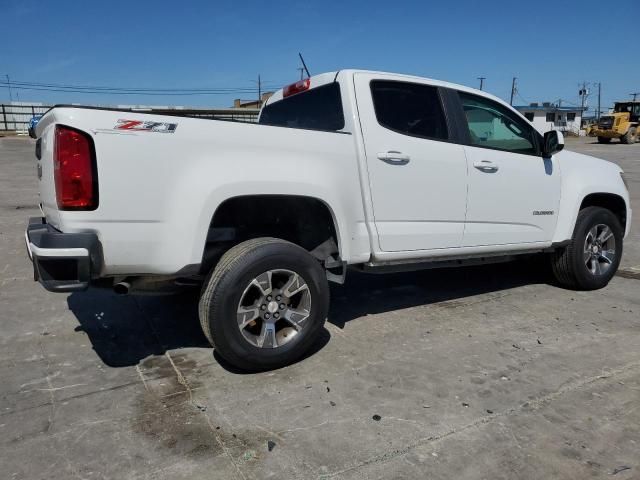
{"x":388,"y":267}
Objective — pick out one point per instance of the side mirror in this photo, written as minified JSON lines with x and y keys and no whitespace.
{"x":553,"y":143}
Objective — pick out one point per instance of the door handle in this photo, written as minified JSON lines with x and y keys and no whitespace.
{"x":486,"y":166}
{"x":393,"y":157}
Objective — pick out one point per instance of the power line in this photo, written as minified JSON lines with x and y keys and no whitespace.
{"x":111,"y":92}
{"x":568,"y":101}
{"x":100,"y":88}
{"x":126,"y":90}
{"x":521,"y":97}
{"x":9,"y":86}
{"x":103,"y":87}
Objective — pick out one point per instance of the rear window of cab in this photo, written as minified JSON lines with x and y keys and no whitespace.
{"x":317,"y":109}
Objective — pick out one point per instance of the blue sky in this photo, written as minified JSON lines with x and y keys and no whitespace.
{"x":550,"y":46}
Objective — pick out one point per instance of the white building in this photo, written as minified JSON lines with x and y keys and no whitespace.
{"x":547,"y":116}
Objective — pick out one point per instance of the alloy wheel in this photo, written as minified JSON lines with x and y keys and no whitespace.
{"x":273,"y":308}
{"x":599,"y":249}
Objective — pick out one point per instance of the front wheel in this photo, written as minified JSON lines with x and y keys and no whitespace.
{"x":630,"y":137}
{"x":592,"y":257}
{"x":264,"y":304}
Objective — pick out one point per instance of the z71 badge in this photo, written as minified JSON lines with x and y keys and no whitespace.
{"x":141,"y":126}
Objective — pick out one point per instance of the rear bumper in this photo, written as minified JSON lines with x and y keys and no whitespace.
{"x":62,"y":262}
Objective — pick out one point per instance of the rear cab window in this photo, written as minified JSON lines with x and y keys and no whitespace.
{"x":317,"y":109}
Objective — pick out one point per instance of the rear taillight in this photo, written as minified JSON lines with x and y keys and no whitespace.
{"x":297,"y":87}
{"x":74,"y":170}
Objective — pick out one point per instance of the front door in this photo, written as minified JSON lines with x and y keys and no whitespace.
{"x":418,"y":178}
{"x":513,"y":191}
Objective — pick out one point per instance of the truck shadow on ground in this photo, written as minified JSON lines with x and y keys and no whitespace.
{"x":125,"y":330}
{"x":365,"y":294}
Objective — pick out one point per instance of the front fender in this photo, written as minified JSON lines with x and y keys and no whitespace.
{"x":583,"y":175}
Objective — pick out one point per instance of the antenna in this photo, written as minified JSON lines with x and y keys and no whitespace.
{"x":482,"y":79}
{"x":514,"y":89}
{"x":634,"y":95}
{"x":304,"y":65}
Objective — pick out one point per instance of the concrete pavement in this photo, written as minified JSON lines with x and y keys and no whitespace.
{"x":484,"y":372}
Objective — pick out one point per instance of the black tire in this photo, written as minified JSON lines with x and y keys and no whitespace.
{"x":604,"y":140}
{"x":224,"y":289}
{"x":629,"y":137}
{"x":568,"y":263}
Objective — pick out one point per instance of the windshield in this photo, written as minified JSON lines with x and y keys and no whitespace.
{"x":317,"y":109}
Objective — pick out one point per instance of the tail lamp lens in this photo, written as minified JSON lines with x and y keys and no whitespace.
{"x":74,"y":170}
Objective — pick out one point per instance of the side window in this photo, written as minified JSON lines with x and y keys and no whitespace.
{"x":493,"y":126}
{"x":409,"y":108}
{"x":551,"y":117}
{"x":529,"y":116}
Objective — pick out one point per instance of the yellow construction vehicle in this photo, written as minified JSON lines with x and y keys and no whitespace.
{"x":622,"y":123}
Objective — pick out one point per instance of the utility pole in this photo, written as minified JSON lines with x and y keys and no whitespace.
{"x":583,"y":96}
{"x":259,"y":92}
{"x":9,"y":85}
{"x":634,"y":95}
{"x":599,"y":98}
{"x":482,"y":79}
{"x":514,"y":89}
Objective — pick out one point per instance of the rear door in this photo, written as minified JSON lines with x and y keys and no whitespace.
{"x":513,"y":191}
{"x":417,"y":175}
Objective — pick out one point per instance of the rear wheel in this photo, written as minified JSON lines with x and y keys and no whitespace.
{"x":629,"y":137}
{"x":604,"y":140}
{"x":264,"y":304}
{"x":593,"y":256}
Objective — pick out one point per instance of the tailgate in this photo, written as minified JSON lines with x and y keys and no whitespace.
{"x":44,"y":168}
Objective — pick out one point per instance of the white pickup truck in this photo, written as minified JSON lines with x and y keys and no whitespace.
{"x":352,"y":168}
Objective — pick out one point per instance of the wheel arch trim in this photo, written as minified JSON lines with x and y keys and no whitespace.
{"x":568,"y":210}
{"x":336,"y":215}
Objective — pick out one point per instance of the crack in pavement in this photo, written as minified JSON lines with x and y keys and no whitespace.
{"x":183,"y":381}
{"x":527,"y":406}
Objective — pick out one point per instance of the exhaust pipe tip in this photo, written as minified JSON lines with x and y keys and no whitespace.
{"x":121,"y":288}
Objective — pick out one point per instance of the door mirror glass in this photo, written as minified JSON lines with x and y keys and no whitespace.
{"x":553,"y":143}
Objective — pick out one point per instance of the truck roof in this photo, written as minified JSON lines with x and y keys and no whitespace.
{"x":328,"y":77}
